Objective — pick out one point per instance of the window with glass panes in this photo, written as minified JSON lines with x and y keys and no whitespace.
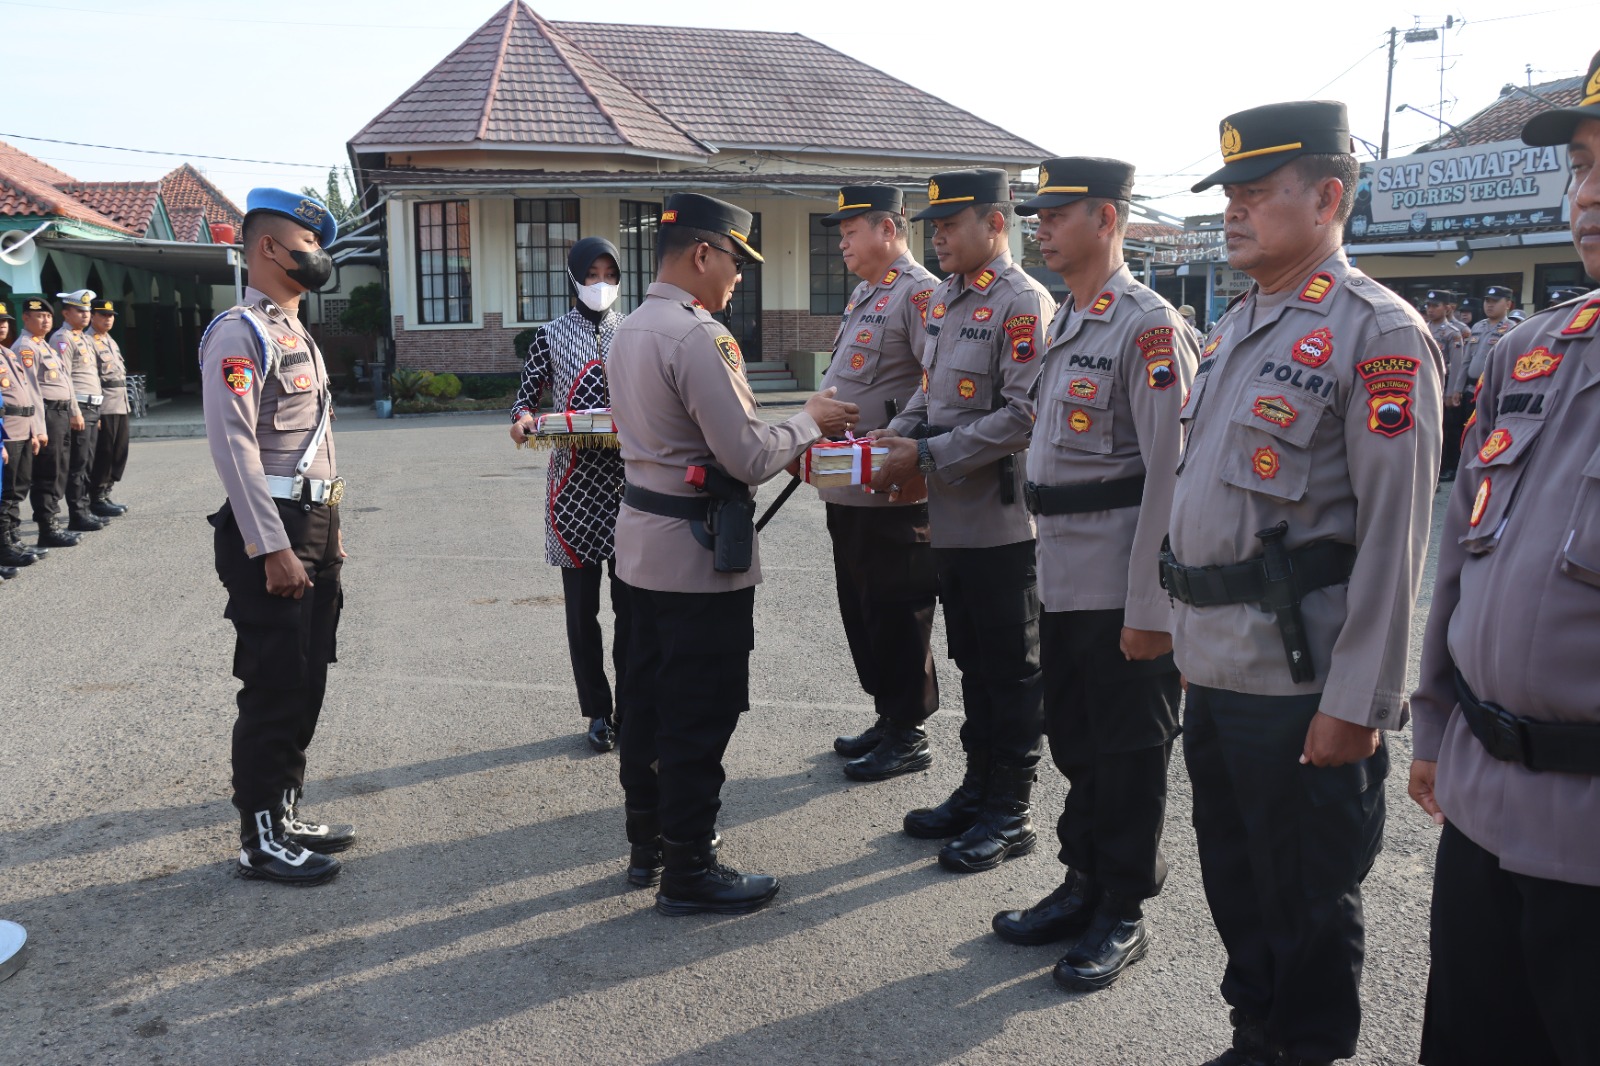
{"x":639,"y":223}
{"x":831,"y":281}
{"x":743,"y":313}
{"x":930,"y":258}
{"x":545,"y":231}
{"x":444,"y":262}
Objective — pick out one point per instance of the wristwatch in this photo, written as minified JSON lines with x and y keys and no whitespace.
{"x":924,"y":457}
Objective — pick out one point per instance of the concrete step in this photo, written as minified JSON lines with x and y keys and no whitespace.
{"x":773,"y":384}
{"x":766,"y":368}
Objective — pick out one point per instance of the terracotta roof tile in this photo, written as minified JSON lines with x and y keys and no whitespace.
{"x":1503,"y":120}
{"x":186,"y":187}
{"x":30,"y":186}
{"x":131,"y":203}
{"x":521,"y":80}
{"x":187,"y":223}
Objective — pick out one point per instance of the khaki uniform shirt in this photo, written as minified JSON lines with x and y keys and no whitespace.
{"x":264,"y":385}
{"x":877,"y":357}
{"x":1108,"y":398}
{"x":1452,"y":346}
{"x":980,"y":360}
{"x":51,"y":374}
{"x":1323,"y":411}
{"x":19,"y":390}
{"x":681,"y":399}
{"x":112,"y":372}
{"x":1480,"y":341}
{"x":77,"y":353}
{"x":1516,"y":604}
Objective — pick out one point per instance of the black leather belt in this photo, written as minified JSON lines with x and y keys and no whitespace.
{"x":1315,"y":566}
{"x":688,"y":508}
{"x":1084,"y":496}
{"x":113,"y":383}
{"x":58,"y":405}
{"x":13,"y":411}
{"x":1556,"y":747}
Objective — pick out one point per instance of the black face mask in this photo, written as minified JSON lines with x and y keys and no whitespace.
{"x":312,"y":269}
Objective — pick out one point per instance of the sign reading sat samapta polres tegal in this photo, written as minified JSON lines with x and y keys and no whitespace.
{"x":1483,"y":188}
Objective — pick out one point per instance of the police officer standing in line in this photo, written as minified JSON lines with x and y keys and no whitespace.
{"x":1462,"y":379}
{"x":1298,"y":537}
{"x":52,"y":378}
{"x":1117,"y":363}
{"x":1507,"y":748}
{"x":78,"y":354}
{"x":111,"y":442}
{"x":882,"y":560}
{"x":1435,"y":308}
{"x":279,"y":551}
{"x":21,"y":414}
{"x":692,"y":447}
{"x":966,"y":432}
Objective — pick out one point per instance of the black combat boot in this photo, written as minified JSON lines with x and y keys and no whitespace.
{"x":1063,"y":913}
{"x":1116,"y":939}
{"x":264,"y":854}
{"x":105,"y":507}
{"x":325,"y":839}
{"x":1250,"y":1045}
{"x":644,"y":847}
{"x":7,"y":573}
{"x":84,"y":522}
{"x":12,"y":553}
{"x":602,"y":735}
{"x":696,"y":883}
{"x":901,"y":751}
{"x":52,"y":535}
{"x":863,"y":742}
{"x":957,"y":813}
{"x":1003,"y":829}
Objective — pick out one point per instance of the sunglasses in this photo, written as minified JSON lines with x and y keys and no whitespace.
{"x":740,"y":262}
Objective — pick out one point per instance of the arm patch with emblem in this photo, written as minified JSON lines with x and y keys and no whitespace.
{"x":730,"y":352}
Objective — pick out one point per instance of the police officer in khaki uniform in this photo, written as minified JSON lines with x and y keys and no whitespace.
{"x":966,"y":432}
{"x":1507,"y":748}
{"x":1298,"y":537}
{"x":1117,"y":363}
{"x":111,"y":442}
{"x":53,"y":379}
{"x":279,"y":551}
{"x":692,"y":448}
{"x":1462,"y":376}
{"x":23,"y":419}
{"x":882,"y":559}
{"x":74,"y":348}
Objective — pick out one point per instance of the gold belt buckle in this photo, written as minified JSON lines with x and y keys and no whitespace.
{"x":335,"y":492}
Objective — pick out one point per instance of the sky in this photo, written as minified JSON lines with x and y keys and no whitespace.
{"x":284,"y":85}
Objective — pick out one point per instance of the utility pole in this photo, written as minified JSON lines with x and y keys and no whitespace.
{"x":1388,"y":94}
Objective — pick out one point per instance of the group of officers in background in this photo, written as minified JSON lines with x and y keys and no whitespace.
{"x":1111,"y":511}
{"x":65,"y":422}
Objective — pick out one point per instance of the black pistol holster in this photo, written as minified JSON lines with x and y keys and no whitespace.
{"x":729,"y":529}
{"x":1283,"y":600}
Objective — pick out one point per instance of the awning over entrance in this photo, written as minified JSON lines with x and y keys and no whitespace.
{"x":210,"y":263}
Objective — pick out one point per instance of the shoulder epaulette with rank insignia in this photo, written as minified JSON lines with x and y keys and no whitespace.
{"x":1392,"y":312}
{"x":1583,"y":319}
{"x":1317,"y":288}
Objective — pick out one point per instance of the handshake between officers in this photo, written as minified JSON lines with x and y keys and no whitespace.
{"x":692,"y":448}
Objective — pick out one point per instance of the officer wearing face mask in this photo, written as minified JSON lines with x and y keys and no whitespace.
{"x":278,"y":548}
{"x":583,"y":489}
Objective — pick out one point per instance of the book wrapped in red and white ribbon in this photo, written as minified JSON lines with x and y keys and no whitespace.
{"x":831,"y":464}
{"x":591,"y":428}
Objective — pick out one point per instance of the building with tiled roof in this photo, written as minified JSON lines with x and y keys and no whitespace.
{"x":186,"y":190}
{"x":1474,"y":207}
{"x":532,"y":133}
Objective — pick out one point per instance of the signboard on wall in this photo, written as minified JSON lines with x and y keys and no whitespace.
{"x":1504,"y":187}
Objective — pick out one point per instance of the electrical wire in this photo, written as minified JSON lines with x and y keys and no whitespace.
{"x":213,"y":18}
{"x":153,"y":151}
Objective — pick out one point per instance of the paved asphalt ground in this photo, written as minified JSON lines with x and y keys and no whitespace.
{"x":484,"y":916}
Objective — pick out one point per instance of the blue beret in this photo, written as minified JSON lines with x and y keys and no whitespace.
{"x":312,"y":214}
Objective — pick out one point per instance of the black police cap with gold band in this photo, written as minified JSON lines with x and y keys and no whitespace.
{"x":103,"y":306}
{"x":1555,"y":127}
{"x":5,"y":313}
{"x":859,"y":199}
{"x":1258,"y":141}
{"x":1068,"y":180}
{"x":712,"y":215}
{"x":957,"y":190}
{"x":37,"y":303}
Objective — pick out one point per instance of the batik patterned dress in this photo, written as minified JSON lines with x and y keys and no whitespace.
{"x":584,"y":485}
